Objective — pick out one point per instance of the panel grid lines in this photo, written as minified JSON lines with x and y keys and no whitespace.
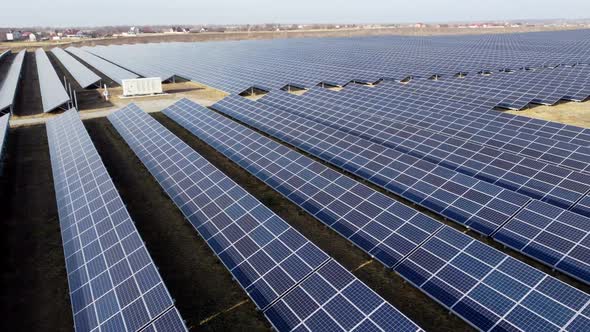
{"x":113,"y":282}
{"x":268,"y":258}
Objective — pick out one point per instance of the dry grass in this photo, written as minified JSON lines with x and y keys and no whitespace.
{"x":243,"y":35}
{"x":570,"y":113}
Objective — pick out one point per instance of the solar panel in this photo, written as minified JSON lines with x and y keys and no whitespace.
{"x":493,"y":291}
{"x":470,"y":202}
{"x":332,"y":299}
{"x":467,"y":285}
{"x":113,"y":71}
{"x":53,"y":93}
{"x":114,"y":284}
{"x":377,"y":224}
{"x":5,"y":54}
{"x":84,"y":76}
{"x":557,"y":237}
{"x":520,"y":69}
{"x":477,"y":129}
{"x":10,"y":83}
{"x":583,"y":206}
{"x":269,"y":259}
{"x":538,"y":180}
{"x":154,"y":69}
{"x":4,"y":125}
{"x":286,"y":127}
{"x":169,"y":321}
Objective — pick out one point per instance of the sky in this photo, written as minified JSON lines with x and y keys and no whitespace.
{"x":61,"y":13}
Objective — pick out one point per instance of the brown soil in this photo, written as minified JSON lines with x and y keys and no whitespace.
{"x":28,"y":98}
{"x":34,"y":291}
{"x":570,"y":113}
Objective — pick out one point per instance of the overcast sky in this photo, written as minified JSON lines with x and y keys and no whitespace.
{"x":141,"y":12}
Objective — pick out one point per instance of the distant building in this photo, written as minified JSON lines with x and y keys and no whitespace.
{"x":133,"y":31}
{"x":29,"y":36}
{"x":13,"y":35}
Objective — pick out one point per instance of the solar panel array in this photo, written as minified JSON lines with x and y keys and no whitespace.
{"x":84,"y":76}
{"x":489,"y":289}
{"x":385,"y":229}
{"x":473,"y":203}
{"x":114,"y":284}
{"x":293,"y":282}
{"x":53,"y":93}
{"x":9,"y":84}
{"x":415,"y":118}
{"x":539,"y":180}
{"x":476,"y":204}
{"x":505,"y":144}
{"x":524,"y":68}
{"x":109,"y":69}
{"x":455,"y":118}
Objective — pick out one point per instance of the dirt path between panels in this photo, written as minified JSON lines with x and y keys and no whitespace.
{"x":33,"y":283}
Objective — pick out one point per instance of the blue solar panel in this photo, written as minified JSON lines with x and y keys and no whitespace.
{"x":473,"y":203}
{"x":536,"y":179}
{"x":468,"y":286}
{"x":170,"y":321}
{"x":9,"y":83}
{"x":382,"y":227}
{"x":269,"y":259}
{"x":114,"y":284}
{"x":520,"y":69}
{"x":493,"y":291}
{"x":329,"y":301}
{"x":583,"y":206}
{"x":4,"y":126}
{"x":490,"y":128}
{"x":557,"y":237}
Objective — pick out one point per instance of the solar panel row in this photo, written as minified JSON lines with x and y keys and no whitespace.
{"x":538,"y":180}
{"x":114,"y":284}
{"x":109,"y":69}
{"x":296,"y":284}
{"x":470,"y":202}
{"x":244,"y":76}
{"x":4,"y":125}
{"x":481,"y":131}
{"x":84,"y":76}
{"x":493,"y":212}
{"x":53,"y":93}
{"x":140,"y":65}
{"x":473,"y":110}
{"x":565,"y":155}
{"x":9,"y":84}
{"x":517,"y":90}
{"x":558,"y":62}
{"x":384,"y":228}
{"x":489,"y":289}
